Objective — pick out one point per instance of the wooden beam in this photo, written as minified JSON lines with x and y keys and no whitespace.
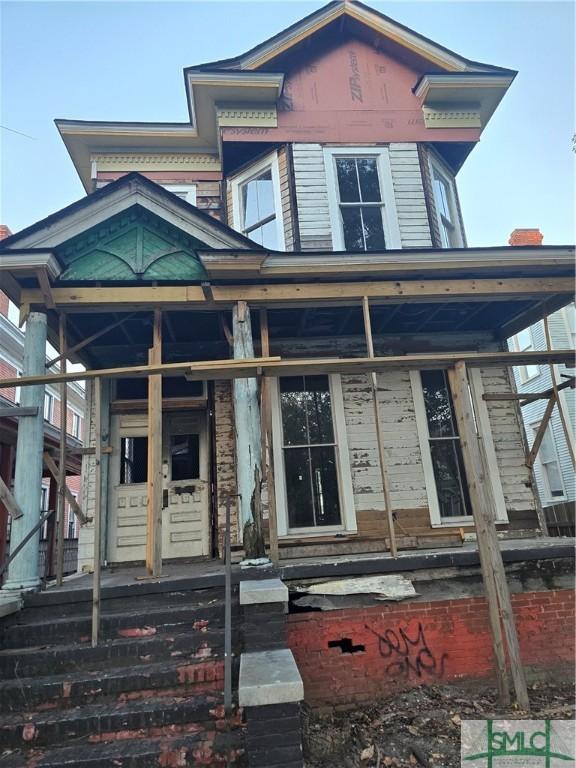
{"x":563,"y":418}
{"x":154,"y":503}
{"x":525,"y":397}
{"x":226,"y":330}
{"x":541,"y":431}
{"x":81,"y":344}
{"x":266,"y":433}
{"x":378,"y":427}
{"x":139,"y":297}
{"x":16,"y":411}
{"x":7,"y":498}
{"x":53,"y":469}
{"x":45,"y":287}
{"x":484,"y":512}
{"x":62,"y":454}
{"x":275,"y":366}
{"x":96,"y":577}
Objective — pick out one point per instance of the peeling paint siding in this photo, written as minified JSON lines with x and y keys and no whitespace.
{"x":287,"y":218}
{"x":312,"y":197}
{"x":225,"y":458}
{"x":409,"y":196}
{"x":508,"y":443}
{"x":88,"y":487}
{"x":208,"y":198}
{"x":229,"y":204}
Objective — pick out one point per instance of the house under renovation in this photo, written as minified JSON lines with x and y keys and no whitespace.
{"x":291,"y":354}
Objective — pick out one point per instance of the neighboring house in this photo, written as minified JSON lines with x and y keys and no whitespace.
{"x":315,"y":170}
{"x":11,"y":363}
{"x":553,"y":468}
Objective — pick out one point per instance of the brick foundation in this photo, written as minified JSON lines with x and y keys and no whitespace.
{"x":354,"y":655}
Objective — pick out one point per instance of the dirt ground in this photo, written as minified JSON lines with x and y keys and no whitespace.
{"x":419,"y":727}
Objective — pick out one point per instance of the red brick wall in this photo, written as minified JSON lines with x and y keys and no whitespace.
{"x":8,"y":371}
{"x":419,"y":643}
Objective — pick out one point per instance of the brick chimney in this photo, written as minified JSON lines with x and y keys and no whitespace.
{"x":526,"y":237}
{"x":4,"y":231}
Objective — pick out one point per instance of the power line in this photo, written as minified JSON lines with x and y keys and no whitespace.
{"x":18,"y":132}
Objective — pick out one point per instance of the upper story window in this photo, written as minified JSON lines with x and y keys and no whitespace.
{"x":524,"y":342}
{"x":185,"y":191}
{"x":257,"y":210}
{"x":446,"y":207}
{"x":13,"y":314}
{"x":76,"y":424}
{"x":361,"y":199}
{"x":554,"y":486}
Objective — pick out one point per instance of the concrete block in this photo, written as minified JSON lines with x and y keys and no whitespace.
{"x":254,"y":592}
{"x":269,"y":677}
{"x":9,"y":604}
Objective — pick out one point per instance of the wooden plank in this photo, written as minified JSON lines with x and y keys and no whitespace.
{"x":378,"y":427}
{"x":7,"y":498}
{"x":62,"y":456}
{"x":140,"y":297}
{"x":274,"y":366}
{"x":45,"y":287}
{"x":541,"y":431}
{"x":563,"y":418}
{"x":154,"y":491}
{"x":526,"y":398}
{"x":16,"y":411}
{"x":484,"y":512}
{"x":266,"y":431}
{"x":96,"y":578}
{"x":53,"y":469}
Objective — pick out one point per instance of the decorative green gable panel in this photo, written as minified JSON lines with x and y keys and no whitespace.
{"x":132,"y":245}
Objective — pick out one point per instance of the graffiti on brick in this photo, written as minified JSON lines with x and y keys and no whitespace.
{"x":406,"y":654}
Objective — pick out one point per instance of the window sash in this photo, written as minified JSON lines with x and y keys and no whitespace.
{"x":238,"y":184}
{"x":444,"y":194}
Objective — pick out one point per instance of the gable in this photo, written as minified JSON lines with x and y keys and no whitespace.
{"x":132,"y":245}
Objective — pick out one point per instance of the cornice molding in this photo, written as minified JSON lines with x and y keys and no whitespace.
{"x":452,"y":118}
{"x":156,"y":161}
{"x":250,"y":116}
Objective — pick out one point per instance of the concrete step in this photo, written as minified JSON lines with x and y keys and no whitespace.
{"x":193,"y":749}
{"x":179,"y":676}
{"x":204,"y":642}
{"x":22,"y":633}
{"x":109,"y":721}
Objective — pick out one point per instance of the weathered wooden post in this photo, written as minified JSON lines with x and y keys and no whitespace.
{"x":248,"y":438}
{"x":23,"y":570}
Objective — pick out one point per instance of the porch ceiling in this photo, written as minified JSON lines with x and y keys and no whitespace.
{"x":200,"y":335}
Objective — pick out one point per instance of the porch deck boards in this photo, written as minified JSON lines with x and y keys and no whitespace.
{"x":203,"y":574}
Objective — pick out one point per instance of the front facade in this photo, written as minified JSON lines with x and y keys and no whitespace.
{"x":308,"y":207}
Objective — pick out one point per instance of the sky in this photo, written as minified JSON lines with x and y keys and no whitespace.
{"x":124,"y":61}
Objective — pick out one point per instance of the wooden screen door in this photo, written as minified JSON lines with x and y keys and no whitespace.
{"x":185,"y":496}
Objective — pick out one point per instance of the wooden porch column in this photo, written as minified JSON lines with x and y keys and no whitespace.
{"x":154,"y":490}
{"x":23,"y":570}
{"x":266,"y":439}
{"x":62,"y":457}
{"x":248,"y":438}
{"x":484,"y":513}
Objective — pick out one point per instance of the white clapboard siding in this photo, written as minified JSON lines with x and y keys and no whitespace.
{"x":508,"y":443}
{"x":409,"y":196}
{"x":407,"y":487}
{"x":312,"y":197}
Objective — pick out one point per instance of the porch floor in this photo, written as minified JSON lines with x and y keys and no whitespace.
{"x":127,"y":581}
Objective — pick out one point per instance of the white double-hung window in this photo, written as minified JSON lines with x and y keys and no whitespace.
{"x":446,"y":207}
{"x":361,"y":199}
{"x":524,"y":342}
{"x":548,"y":460}
{"x":257,"y":209}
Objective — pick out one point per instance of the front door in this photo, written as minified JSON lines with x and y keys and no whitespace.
{"x":185,"y":515}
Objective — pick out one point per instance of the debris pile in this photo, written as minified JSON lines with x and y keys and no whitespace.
{"x":420,"y":727}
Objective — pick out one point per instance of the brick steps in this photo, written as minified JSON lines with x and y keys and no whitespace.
{"x":186,"y":750}
{"x":71,"y":657}
{"x":171,"y":618}
{"x":110,"y":721}
{"x":182,"y":676}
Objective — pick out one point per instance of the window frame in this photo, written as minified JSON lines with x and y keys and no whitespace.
{"x":439,"y":170}
{"x":391,"y":227}
{"x":523,"y":370}
{"x":485,"y":434}
{"x":76,"y":417}
{"x":534,"y":426}
{"x":49,"y":398}
{"x":344,"y":475}
{"x":269,"y":161}
{"x":177,"y":189}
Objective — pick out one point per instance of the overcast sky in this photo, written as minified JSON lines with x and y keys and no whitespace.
{"x":124,"y":61}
